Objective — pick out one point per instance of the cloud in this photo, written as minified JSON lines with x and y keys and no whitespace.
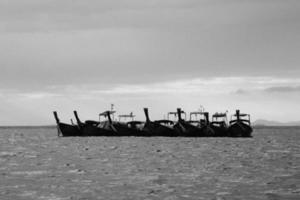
{"x":283,"y":89}
{"x":200,"y":86}
{"x":241,"y":91}
{"x":215,"y":94}
{"x":39,"y":95}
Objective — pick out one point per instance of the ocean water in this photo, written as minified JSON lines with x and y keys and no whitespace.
{"x":36,"y":164}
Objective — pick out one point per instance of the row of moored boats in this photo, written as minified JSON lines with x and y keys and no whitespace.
{"x":198,"y":125}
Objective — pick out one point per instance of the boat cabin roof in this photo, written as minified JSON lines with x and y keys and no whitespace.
{"x":175,"y":113}
{"x":197,"y":113}
{"x":242,"y":115}
{"x":135,"y":122}
{"x":127,"y":115}
{"x":107,"y":112}
{"x":216,"y":115}
{"x":193,"y":121}
{"x":165,"y":121}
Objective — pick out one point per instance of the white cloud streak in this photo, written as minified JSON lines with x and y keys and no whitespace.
{"x":215,"y":94}
{"x":200,"y":86}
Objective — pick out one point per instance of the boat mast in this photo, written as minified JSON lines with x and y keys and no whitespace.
{"x":146,"y":114}
{"x":238,"y":115}
{"x":112,"y":109}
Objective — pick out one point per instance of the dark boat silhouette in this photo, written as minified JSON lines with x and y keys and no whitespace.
{"x":194,"y":119}
{"x":240,"y":126}
{"x":185,"y":128}
{"x":219,"y":124}
{"x":203,"y":123}
{"x":206,"y":129}
{"x":165,"y":122}
{"x":157,"y":128}
{"x":175,"y":116}
{"x":136,"y":127}
{"x":66,"y":130}
{"x":92,"y":128}
{"x":123,"y":128}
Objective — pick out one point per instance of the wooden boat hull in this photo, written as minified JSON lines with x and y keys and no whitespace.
{"x":220,"y":131}
{"x":187,"y":130}
{"x":124,"y":130}
{"x":240,"y":129}
{"x":207,"y":131}
{"x":89,"y":130}
{"x":67,"y":130}
{"x":136,"y":128}
{"x":156,"y":129}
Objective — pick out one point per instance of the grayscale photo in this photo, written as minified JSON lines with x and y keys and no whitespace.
{"x":149,"y":100}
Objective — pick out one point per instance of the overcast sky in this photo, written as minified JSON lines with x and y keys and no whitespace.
{"x":72,"y":54}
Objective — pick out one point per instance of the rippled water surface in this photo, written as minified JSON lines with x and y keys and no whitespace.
{"x":36,"y":164}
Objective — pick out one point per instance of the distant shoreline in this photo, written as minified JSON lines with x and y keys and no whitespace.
{"x":31,"y":126}
{"x":278,"y":127}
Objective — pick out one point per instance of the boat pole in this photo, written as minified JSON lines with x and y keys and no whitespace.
{"x":237,"y":115}
{"x":147,"y":114}
{"x":110,"y":121}
{"x":179,"y":114}
{"x":79,"y":123}
{"x":206,"y":115}
{"x":57,"y":123}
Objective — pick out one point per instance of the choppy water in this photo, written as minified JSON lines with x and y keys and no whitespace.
{"x":36,"y":164}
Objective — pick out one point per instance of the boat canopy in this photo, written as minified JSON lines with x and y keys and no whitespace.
{"x":197,"y":113}
{"x":135,"y":122}
{"x":193,"y":121}
{"x":175,"y":114}
{"x":105,"y":113}
{"x":217,"y":115}
{"x":164,"y":121}
{"x":131,"y":115}
{"x":127,"y":116}
{"x":242,"y":115}
{"x":238,"y":116}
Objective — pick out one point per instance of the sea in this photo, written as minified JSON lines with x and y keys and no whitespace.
{"x":37,"y":164}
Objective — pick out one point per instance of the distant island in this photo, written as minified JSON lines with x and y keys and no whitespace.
{"x":263,"y":122}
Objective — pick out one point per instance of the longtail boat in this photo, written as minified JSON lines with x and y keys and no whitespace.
{"x":184,"y":128}
{"x":202,"y":123}
{"x":219,"y":124}
{"x":157,"y":128}
{"x":175,"y":117}
{"x":66,"y":130}
{"x":123,"y":128}
{"x":206,"y":129}
{"x":194,"y":118}
{"x":165,"y":122}
{"x":92,"y":128}
{"x":240,"y":126}
{"x":136,"y":127}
